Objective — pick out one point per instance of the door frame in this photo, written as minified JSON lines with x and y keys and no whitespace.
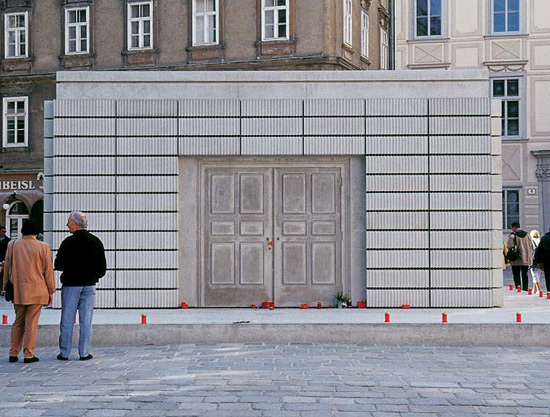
{"x":191,"y":218}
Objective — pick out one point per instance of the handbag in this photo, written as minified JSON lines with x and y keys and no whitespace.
{"x":513,"y":252}
{"x":8,"y":293}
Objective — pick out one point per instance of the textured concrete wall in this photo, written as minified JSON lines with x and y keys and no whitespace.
{"x":432,"y":170}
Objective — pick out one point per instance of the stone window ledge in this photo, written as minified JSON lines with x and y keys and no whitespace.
{"x":204,"y":53}
{"x":77,"y":61}
{"x":142,"y":57}
{"x":17,"y":64}
{"x":276,"y":47}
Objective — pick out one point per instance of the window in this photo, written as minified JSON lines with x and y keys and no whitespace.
{"x":383,"y":49}
{"x":140,"y":22}
{"x":507,"y":89}
{"x":15,"y":122}
{"x":364,"y":34}
{"x":275,"y":19}
{"x":205,"y":22}
{"x":510,"y":206}
{"x":348,"y":7}
{"x":77,"y":32}
{"x":428,"y":18}
{"x":15,"y":35}
{"x":506,"y":16}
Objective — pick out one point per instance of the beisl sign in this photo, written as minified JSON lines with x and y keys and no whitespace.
{"x":16,"y":185}
{"x":21,"y":182}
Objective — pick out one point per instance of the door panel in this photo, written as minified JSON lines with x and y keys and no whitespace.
{"x":308,"y":235}
{"x":237,"y":222}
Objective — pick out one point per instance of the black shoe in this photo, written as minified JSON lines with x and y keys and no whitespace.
{"x":31,"y":360}
{"x":85,"y":358}
{"x":62,"y":358}
{"x":13,"y":359}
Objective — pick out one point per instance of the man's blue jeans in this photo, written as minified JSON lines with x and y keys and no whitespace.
{"x":73,"y":299}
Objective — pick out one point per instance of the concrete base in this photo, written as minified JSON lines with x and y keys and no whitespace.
{"x":382,"y":334}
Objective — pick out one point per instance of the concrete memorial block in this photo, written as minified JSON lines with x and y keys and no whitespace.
{"x":261,"y":145}
{"x":137,"y":279}
{"x":460,"y":145}
{"x":395,"y":279}
{"x":457,"y":278}
{"x":427,"y":202}
{"x":396,"y":145}
{"x":402,"y":239}
{"x":389,"y":297}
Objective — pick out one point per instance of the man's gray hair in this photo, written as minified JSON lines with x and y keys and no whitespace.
{"x":80,"y":219}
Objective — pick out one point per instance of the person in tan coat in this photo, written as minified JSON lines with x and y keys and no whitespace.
{"x":28,"y":265}
{"x":521,"y":265}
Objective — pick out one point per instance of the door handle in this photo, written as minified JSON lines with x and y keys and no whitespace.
{"x":270,"y":244}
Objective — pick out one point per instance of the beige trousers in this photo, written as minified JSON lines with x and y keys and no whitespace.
{"x":25,"y":327}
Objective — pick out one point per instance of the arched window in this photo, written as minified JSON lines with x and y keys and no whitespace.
{"x":17,"y":212}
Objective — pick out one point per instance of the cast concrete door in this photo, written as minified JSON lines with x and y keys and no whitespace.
{"x":271,"y":234}
{"x":238,"y":267}
{"x":308,"y":235}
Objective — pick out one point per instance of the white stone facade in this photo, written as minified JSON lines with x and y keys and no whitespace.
{"x":471,"y":37}
{"x":415,"y":175}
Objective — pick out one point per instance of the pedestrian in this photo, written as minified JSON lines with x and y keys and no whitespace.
{"x":28,"y":266}
{"x":534,"y":269}
{"x":520,"y":266}
{"x":81,"y":258}
{"x":4,"y":239}
{"x":542,"y":257}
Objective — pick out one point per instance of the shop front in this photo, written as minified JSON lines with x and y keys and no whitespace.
{"x":21,"y":196}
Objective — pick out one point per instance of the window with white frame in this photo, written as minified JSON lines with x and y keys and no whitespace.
{"x":383,"y":49}
{"x":506,"y":16}
{"x":348,"y":14}
{"x":205,"y":22}
{"x":77,"y":30}
{"x":428,"y":17}
{"x":140,"y":25}
{"x":16,"y":43}
{"x":508,"y":90}
{"x":275,"y":19}
{"x":510,"y":206}
{"x":364,"y":34}
{"x":15,"y":132}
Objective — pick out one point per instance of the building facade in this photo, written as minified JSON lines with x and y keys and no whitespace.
{"x":510,"y":38}
{"x":229,"y":189}
{"x":41,"y":37}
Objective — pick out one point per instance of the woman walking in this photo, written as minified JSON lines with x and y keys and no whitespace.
{"x":28,"y":266}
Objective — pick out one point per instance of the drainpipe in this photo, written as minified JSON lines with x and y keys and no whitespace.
{"x":391,"y":7}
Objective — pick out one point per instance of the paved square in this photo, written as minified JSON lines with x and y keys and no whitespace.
{"x":235,"y":380}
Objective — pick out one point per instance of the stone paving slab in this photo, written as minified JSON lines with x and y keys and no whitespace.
{"x":294,"y":380}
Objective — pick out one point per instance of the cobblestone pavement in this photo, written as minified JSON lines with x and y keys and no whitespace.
{"x":234,"y":380}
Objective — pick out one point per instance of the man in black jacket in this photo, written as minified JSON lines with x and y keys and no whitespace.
{"x":542,"y":257}
{"x":3,"y":243}
{"x":81,"y":257}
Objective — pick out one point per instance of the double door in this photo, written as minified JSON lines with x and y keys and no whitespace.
{"x":271,"y":233}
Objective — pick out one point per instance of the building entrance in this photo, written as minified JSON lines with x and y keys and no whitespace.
{"x":271,"y":233}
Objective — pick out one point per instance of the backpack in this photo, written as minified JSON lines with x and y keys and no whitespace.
{"x":513,"y":252}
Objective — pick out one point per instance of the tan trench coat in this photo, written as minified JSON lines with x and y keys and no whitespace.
{"x":30,"y":270}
